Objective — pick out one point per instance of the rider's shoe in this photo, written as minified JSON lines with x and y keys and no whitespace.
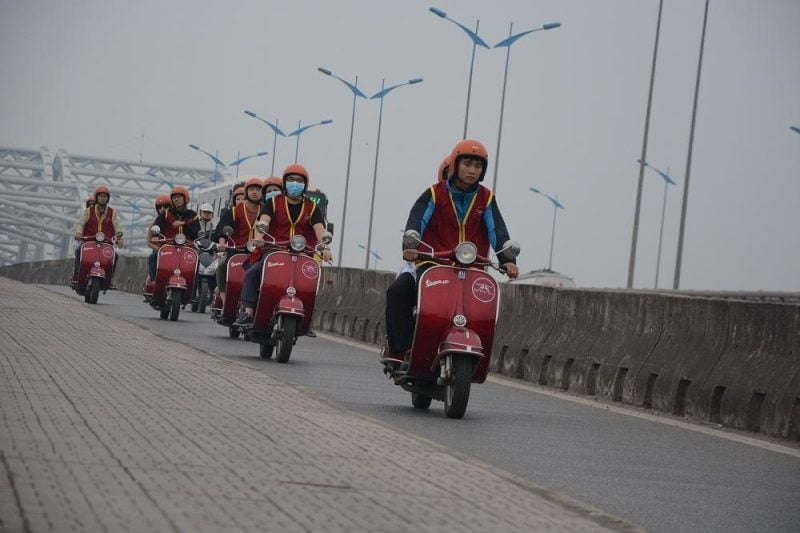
{"x":244,"y":320}
{"x":310,"y":333}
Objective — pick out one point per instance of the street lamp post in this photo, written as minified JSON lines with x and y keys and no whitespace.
{"x":214,"y":158}
{"x":299,"y":131}
{"x":218,"y":162}
{"x":476,"y":41}
{"x":637,"y":209}
{"x":667,"y":182}
{"x":380,"y":94}
{"x":556,"y":206}
{"x":356,"y":94}
{"x":275,"y":131}
{"x":239,"y":160}
{"x":507,"y":42}
{"x":374,"y":254}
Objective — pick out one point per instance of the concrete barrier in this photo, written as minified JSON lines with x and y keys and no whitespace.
{"x":734,"y":363}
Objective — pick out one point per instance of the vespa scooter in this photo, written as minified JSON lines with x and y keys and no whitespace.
{"x":96,"y":265}
{"x":457,"y":306}
{"x":176,"y":268}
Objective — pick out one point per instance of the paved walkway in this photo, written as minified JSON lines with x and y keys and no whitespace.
{"x":106,"y":426}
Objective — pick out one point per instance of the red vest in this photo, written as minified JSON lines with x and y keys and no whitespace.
{"x":97,"y":222}
{"x":170,"y":231}
{"x":444,"y":232}
{"x":243,"y":224}
{"x":282,"y":227}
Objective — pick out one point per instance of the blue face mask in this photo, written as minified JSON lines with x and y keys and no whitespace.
{"x":294,"y":189}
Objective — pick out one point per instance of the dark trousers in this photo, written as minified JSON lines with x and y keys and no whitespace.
{"x":401,"y":297}
{"x":222,"y":273}
{"x":151,"y":265}
{"x":252,"y":281}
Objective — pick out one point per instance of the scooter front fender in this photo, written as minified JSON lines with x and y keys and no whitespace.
{"x":291,"y":305}
{"x":176,"y":282}
{"x":97,"y":272}
{"x":463,"y":341}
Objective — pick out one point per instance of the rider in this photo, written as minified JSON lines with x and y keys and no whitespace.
{"x":162,"y":204}
{"x":206,"y":218}
{"x":242,"y":218}
{"x":176,"y":218}
{"x":444,"y":168}
{"x":273,"y":186}
{"x":451,"y":211}
{"x":288,"y":215}
{"x":98,"y":218}
{"x":90,"y":201}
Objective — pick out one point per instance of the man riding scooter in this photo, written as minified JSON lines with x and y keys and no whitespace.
{"x":451,"y":211}
{"x":99,"y":217}
{"x":287,"y":215}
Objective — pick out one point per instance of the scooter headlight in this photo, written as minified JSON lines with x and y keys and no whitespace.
{"x":100,"y":236}
{"x":466,"y":253}
{"x":180,"y":238}
{"x":297,"y":243}
{"x":251,"y":245}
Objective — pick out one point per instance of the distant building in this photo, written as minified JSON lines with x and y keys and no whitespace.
{"x":545,"y":278}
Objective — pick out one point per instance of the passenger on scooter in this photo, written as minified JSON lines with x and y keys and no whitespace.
{"x":90,"y":201}
{"x":287,"y":215}
{"x":273,"y":186}
{"x":162,"y":204}
{"x":242,"y":218}
{"x":206,"y":218}
{"x":451,"y":211}
{"x":98,"y":218}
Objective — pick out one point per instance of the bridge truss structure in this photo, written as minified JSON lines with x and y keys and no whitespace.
{"x":42,"y":194}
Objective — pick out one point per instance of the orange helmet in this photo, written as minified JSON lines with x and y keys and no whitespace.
{"x":253,"y":182}
{"x":183,"y":191}
{"x":90,"y":200}
{"x":300,"y":170}
{"x":101,"y":189}
{"x":444,"y":169}
{"x":469,"y":148}
{"x":237,"y":191}
{"x":163,"y":199}
{"x":274,"y":180}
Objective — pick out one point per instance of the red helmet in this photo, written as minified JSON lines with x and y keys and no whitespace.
{"x":253,"y":182}
{"x":183,"y":191}
{"x":444,"y":169}
{"x":102,"y":189}
{"x":90,"y":200}
{"x":274,"y":180}
{"x":237,"y":191}
{"x":469,"y":148}
{"x":300,"y":170}
{"x":163,"y":199}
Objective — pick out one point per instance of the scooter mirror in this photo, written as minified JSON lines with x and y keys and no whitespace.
{"x":327,"y":238}
{"x":262,"y":227}
{"x":155,"y":229}
{"x":118,"y":235}
{"x":228,"y":231}
{"x":411,"y":239}
{"x":511,"y":248}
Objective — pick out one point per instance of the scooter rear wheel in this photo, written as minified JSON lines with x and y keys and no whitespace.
{"x":420,"y":401}
{"x":163,"y":313}
{"x":456,"y":394}
{"x":175,"y":304}
{"x":233,"y":332}
{"x":265,"y":350}
{"x":285,"y":341}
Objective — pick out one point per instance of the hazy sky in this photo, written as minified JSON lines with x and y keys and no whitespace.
{"x":89,"y":76}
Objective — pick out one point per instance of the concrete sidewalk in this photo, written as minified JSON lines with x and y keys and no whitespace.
{"x":108,"y":427}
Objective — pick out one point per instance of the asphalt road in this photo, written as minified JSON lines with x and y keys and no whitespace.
{"x":656,"y":475}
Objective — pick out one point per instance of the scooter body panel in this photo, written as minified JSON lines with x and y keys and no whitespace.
{"x":170,"y":258}
{"x":234,"y":284}
{"x":285,"y":274}
{"x":95,"y":252}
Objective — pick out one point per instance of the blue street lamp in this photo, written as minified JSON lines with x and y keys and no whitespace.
{"x":667,"y":182}
{"x":373,"y":253}
{"x":556,"y":206}
{"x":275,"y":131}
{"x":794,"y":129}
{"x":507,"y":42}
{"x":239,"y":160}
{"x":356,"y":94}
{"x":476,"y":41}
{"x":380,"y":94}
{"x":214,"y":158}
{"x":299,"y":131}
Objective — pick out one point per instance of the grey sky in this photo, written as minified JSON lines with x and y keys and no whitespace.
{"x":87,"y":76}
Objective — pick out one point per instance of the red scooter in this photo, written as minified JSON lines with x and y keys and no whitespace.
{"x":175,"y":272}
{"x":457,"y":309}
{"x":224,"y":312}
{"x":288,"y":291}
{"x":96,"y":265}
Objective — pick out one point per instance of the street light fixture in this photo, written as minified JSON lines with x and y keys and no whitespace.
{"x":240,"y":160}
{"x":507,"y":42}
{"x":794,"y":129}
{"x":214,"y":158}
{"x":476,"y":41}
{"x":299,"y":131}
{"x":275,"y":131}
{"x":356,"y":94}
{"x":380,"y":94}
{"x":373,"y":253}
{"x":667,"y":182}
{"x":556,"y":206}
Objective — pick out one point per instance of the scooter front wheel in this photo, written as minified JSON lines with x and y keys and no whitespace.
{"x":287,"y":325}
{"x":456,"y":394}
{"x":202,"y":296}
{"x":175,"y":304}
{"x":92,"y":291}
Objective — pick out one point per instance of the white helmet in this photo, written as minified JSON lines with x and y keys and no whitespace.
{"x":207,"y":207}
